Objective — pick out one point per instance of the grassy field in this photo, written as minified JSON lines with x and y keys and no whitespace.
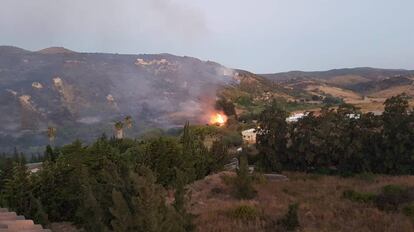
{"x":321,"y":204}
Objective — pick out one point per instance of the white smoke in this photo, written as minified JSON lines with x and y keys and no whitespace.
{"x":98,"y":24}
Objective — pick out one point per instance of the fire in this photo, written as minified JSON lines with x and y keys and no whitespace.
{"x":218,"y":119}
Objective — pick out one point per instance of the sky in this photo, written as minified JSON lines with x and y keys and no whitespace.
{"x":262,"y":36}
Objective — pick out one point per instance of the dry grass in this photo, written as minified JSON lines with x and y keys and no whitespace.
{"x":347,"y":95}
{"x":347,"y":79}
{"x":322,"y":207}
{"x":393,"y":91}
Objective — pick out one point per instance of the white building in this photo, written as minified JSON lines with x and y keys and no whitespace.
{"x":295,"y":117}
{"x":34,"y":167}
{"x":249,"y":136}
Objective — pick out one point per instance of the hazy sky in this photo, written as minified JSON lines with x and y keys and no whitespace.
{"x":257,"y":35}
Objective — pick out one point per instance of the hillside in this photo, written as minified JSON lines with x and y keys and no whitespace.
{"x":364,"y":87}
{"x":83,"y":94}
{"x":363,"y":74}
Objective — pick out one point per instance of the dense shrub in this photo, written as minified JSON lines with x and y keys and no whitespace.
{"x":408,"y":211}
{"x":358,"y":196}
{"x":290,"y":222}
{"x":393,"y":197}
{"x":244,"y":212}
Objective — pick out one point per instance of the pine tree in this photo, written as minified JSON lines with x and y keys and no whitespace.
{"x":18,"y":190}
{"x":49,"y":154}
{"x":140,"y":206}
{"x":188,"y":153}
{"x":51,"y":134}
{"x":119,"y":130}
{"x":123,"y":220}
{"x":90,"y":212}
{"x":38,"y":212}
{"x":180,"y":202}
{"x":243,"y":183}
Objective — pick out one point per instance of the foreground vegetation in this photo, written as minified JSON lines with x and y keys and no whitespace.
{"x":322,"y":205}
{"x":112,"y":184}
{"x":141,"y":185}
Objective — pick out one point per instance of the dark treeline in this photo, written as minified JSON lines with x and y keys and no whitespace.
{"x":342,"y":141}
{"x":113,"y":184}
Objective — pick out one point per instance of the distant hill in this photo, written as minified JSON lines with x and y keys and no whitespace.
{"x":55,"y":50}
{"x":364,"y":73}
{"x":364,"y":87}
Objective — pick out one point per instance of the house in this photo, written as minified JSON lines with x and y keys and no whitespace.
{"x":34,"y":167}
{"x":296,"y":116}
{"x":249,"y":136}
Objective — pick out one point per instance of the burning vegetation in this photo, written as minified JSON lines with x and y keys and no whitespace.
{"x":219,"y":119}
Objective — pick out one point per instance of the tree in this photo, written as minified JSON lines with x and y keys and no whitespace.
{"x":140,"y":206}
{"x":180,"y":202}
{"x":119,"y":129}
{"x":50,"y":154}
{"x":128,"y":122}
{"x":18,"y":190}
{"x":290,"y":221}
{"x":219,"y":156}
{"x":398,"y":134}
{"x":243,"y":182}
{"x":188,"y":153}
{"x":51,"y":134}
{"x":272,"y":137}
{"x":123,"y":218}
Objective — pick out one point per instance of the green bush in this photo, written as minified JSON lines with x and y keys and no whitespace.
{"x":244,"y":212}
{"x":232,"y":138}
{"x":393,"y":189}
{"x":366,"y":176}
{"x":358,"y":196}
{"x":259,"y":178}
{"x":290,"y":222}
{"x":245,"y":100}
{"x":408,"y":211}
{"x":393,"y":196}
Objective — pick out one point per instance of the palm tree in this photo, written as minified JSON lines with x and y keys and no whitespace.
{"x":51,"y":134}
{"x":119,"y":129}
{"x":128,"y":121}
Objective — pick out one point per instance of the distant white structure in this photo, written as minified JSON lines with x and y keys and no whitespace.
{"x":34,"y":167}
{"x":295,"y":117}
{"x":249,"y":136}
{"x":37,"y":85}
{"x":58,"y":82}
{"x":354,"y":116}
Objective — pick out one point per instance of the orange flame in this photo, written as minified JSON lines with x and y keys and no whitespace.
{"x":218,"y":119}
